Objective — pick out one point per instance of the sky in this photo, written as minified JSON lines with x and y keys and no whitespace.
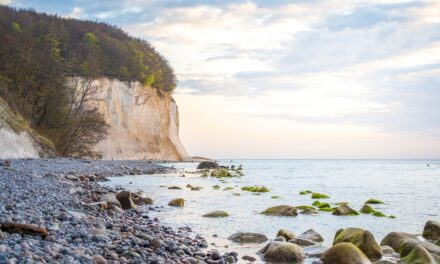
{"x":291,"y":79}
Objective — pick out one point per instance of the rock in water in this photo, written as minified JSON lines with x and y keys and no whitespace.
{"x":419,"y":255}
{"x":284,"y":210}
{"x":216,"y":214}
{"x":344,"y":209}
{"x":208,"y":165}
{"x":286,"y":234}
{"x":432,"y":230}
{"x":395,"y":240}
{"x":125,"y":200}
{"x":312,"y":235}
{"x":142,"y":200}
{"x":367,"y":209}
{"x":283,"y":252}
{"x":361,"y":238}
{"x":24,"y":229}
{"x":344,"y":253}
{"x":248,"y":238}
{"x":177,"y":202}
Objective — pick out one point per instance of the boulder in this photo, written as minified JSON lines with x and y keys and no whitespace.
{"x":142,"y":200}
{"x":284,"y":210}
{"x":208,"y":165}
{"x":110,"y":198}
{"x":418,"y":255}
{"x":282,"y":252}
{"x":361,"y":238}
{"x":395,"y":240}
{"x":387,"y":250}
{"x":312,"y":235}
{"x":216,"y":214}
{"x":179,"y":202}
{"x":344,"y":209}
{"x":432,"y":230}
{"x":344,"y":253}
{"x":286,"y":234}
{"x":24,"y":229}
{"x":244,"y":237}
{"x":125,"y":200}
{"x":302,"y":242}
{"x":309,"y":212}
{"x":408,"y":245}
{"x":367,"y":209}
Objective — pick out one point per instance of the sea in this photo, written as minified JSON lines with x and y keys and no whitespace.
{"x":409,"y":189}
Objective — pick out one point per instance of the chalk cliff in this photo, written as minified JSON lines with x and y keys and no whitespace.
{"x":142,"y":123}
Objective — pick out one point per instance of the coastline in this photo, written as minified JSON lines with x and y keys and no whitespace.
{"x":54,"y":208}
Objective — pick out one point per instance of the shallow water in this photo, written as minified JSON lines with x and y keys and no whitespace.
{"x":409,"y":189}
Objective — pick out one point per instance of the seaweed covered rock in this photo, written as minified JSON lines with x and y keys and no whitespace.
{"x":373,"y":201}
{"x":216,"y":214}
{"x":418,"y":255}
{"x":284,"y":210}
{"x":282,"y":252}
{"x":319,"y":196}
{"x":179,"y":202}
{"x":431,"y":230}
{"x":245,"y":237}
{"x":395,"y":240}
{"x":344,"y":209}
{"x":208,"y":165}
{"x":362,"y":239}
{"x":367,"y":209}
{"x":344,"y":253}
{"x":259,"y":189}
{"x":286,"y":234}
{"x":125,"y":200}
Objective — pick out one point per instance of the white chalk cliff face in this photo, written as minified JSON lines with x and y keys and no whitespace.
{"x":142,"y":124}
{"x":15,"y":140}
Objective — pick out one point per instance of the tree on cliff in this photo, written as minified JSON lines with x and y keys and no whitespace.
{"x":40,"y":53}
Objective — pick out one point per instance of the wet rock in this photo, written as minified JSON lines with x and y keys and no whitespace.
{"x":284,"y":210}
{"x":125,"y":200}
{"x":312,"y":235}
{"x":315,"y":251}
{"x":344,"y":253}
{"x":361,"y":238}
{"x":309,"y":212}
{"x":418,"y":255}
{"x":408,"y":245}
{"x":344,"y":209}
{"x":142,"y":201}
{"x":174,"y":188}
{"x":367,"y":209}
{"x":249,"y":258}
{"x":179,"y":202}
{"x":244,"y":237}
{"x":208,"y":165}
{"x":395,"y":240}
{"x":216,"y":214}
{"x":387,"y":250}
{"x":286,"y":234}
{"x":282,"y":252}
{"x":302,"y":242}
{"x":431,"y":230}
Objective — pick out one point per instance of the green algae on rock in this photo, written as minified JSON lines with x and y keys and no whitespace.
{"x":361,"y":238}
{"x":216,"y":214}
{"x":258,"y":189}
{"x":344,"y":253}
{"x":373,"y":201}
{"x":319,"y":196}
{"x":305,"y":192}
{"x":344,"y":209}
{"x":283,"y":210}
{"x":366,"y":209}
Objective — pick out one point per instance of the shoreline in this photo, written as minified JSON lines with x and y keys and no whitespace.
{"x":61,"y":199}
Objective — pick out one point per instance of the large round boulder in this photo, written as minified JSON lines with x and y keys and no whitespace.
{"x":125,"y":200}
{"x":344,"y":253}
{"x":245,"y":237}
{"x":282,"y":252}
{"x":284,"y":210}
{"x":395,"y":240}
{"x":362,"y":239}
{"x":216,"y":214}
{"x":418,"y":255}
{"x":208,"y":165}
{"x":432,"y":230}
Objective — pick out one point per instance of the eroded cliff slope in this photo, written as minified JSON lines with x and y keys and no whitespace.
{"x":142,"y":123}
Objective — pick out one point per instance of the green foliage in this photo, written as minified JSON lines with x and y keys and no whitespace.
{"x":15,"y":27}
{"x":90,"y":40}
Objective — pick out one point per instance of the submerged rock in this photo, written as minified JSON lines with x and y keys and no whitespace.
{"x":344,"y":253}
{"x":244,"y":237}
{"x":208,"y":165}
{"x":312,"y":235}
{"x":373,"y":201}
{"x":284,"y":210}
{"x":344,"y":209}
{"x":309,"y":212}
{"x":362,"y":239}
{"x":216,"y":214}
{"x":431,"y":230}
{"x":282,"y":252}
{"x":179,"y":202}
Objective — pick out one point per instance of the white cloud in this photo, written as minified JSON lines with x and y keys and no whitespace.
{"x":5,"y":2}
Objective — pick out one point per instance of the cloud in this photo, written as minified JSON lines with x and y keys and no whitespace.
{"x":5,"y":2}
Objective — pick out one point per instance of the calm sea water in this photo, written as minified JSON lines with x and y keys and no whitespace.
{"x":409,"y":188}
